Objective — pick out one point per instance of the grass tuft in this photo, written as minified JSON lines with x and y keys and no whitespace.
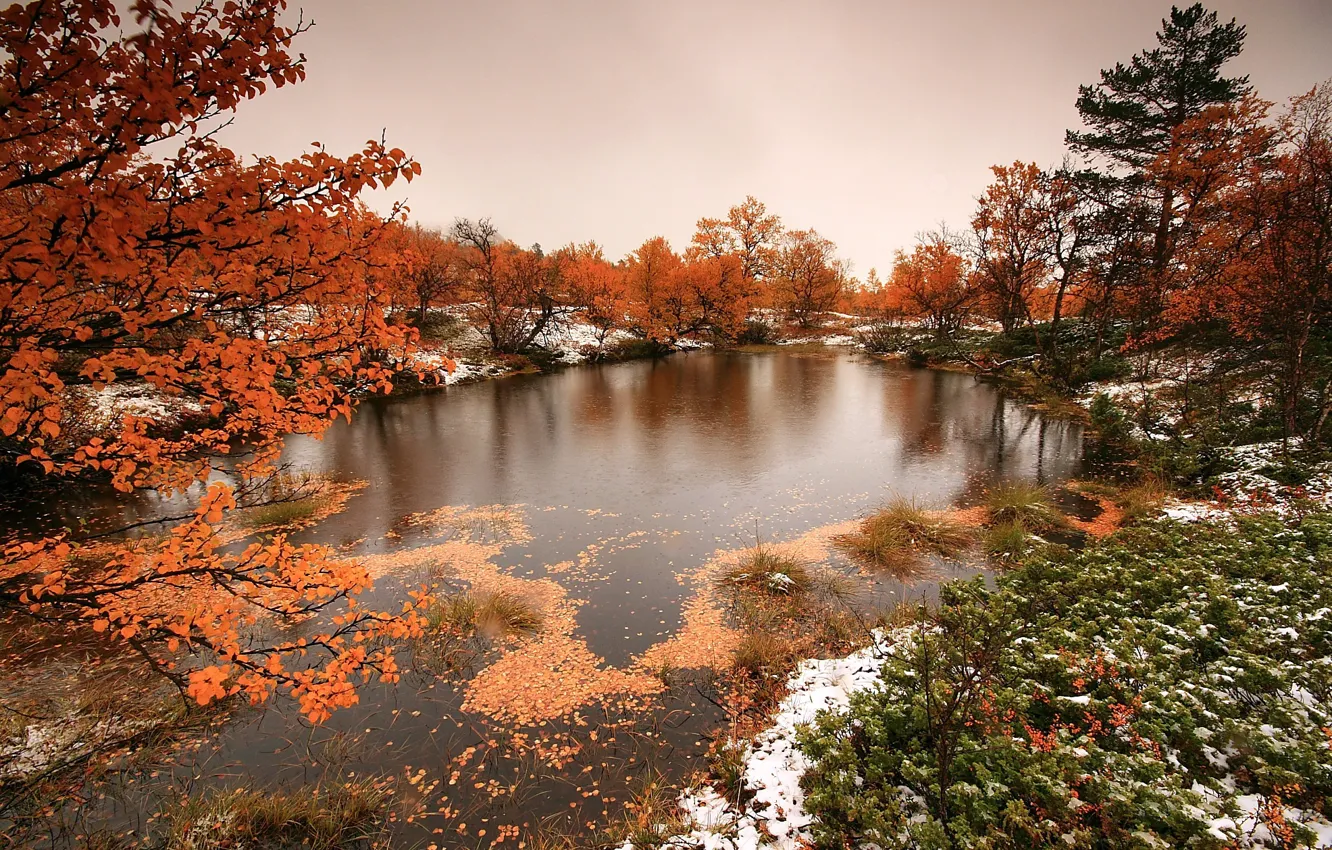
{"x":325,"y":818}
{"x":651,"y":815}
{"x":1143,"y":500}
{"x":1007,"y":542}
{"x":279,"y":514}
{"x":769,"y":571}
{"x":894,"y":537}
{"x":761,"y":655}
{"x":495,"y":614}
{"x":1025,"y":503}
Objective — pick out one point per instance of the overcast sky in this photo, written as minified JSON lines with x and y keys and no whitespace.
{"x":619,"y":120}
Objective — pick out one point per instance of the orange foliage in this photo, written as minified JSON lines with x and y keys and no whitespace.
{"x":1256,"y":253}
{"x":598,"y":288}
{"x":807,"y":278}
{"x":1011,"y":247}
{"x":931,"y":283}
{"x":134,"y":247}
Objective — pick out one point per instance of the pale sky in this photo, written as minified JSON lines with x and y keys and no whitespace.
{"x":617,"y":121}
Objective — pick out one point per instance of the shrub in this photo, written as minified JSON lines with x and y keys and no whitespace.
{"x":757,"y":332}
{"x":881,"y":338}
{"x":1106,"y":369}
{"x":1144,"y":692}
{"x":634,"y":349}
{"x":1025,"y":503}
{"x":441,"y":327}
{"x":1112,"y":442}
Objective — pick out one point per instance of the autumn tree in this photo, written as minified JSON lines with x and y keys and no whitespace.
{"x":431,"y":270}
{"x":807,"y":277}
{"x":1067,"y":211}
{"x":1010,"y":247}
{"x":712,"y":284}
{"x":136,"y":249}
{"x":514,"y":295}
{"x":933,"y":283}
{"x":1214,"y":155}
{"x":1263,"y":257}
{"x":756,"y":233}
{"x":658,"y":311}
{"x":598,"y":288}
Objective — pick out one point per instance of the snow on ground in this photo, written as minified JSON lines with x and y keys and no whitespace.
{"x":575,"y":342}
{"x":775,"y":817}
{"x":103,"y":410}
{"x":1249,"y":487}
{"x":833,"y":339}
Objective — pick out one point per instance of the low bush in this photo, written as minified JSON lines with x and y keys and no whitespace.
{"x":757,"y":332}
{"x":1171,"y":687}
{"x":882,"y":338}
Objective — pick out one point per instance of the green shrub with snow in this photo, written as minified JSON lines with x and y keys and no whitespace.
{"x":1170,"y":688}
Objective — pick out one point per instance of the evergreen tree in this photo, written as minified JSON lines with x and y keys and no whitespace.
{"x":1131,"y":116}
{"x":1132,"y":112}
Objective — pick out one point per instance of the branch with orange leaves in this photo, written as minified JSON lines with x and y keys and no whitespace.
{"x":183,"y":596}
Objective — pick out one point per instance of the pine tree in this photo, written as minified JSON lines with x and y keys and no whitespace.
{"x":1133,"y":113}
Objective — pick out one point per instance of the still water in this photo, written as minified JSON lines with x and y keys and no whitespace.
{"x":624,"y":479}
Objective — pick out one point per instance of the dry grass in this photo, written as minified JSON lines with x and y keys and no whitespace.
{"x":287,"y":501}
{"x":727,"y":759}
{"x":897,"y":535}
{"x":1025,"y":503}
{"x":279,"y":514}
{"x":769,"y":571}
{"x":651,"y":815}
{"x":492,"y":615}
{"x":1007,"y":542}
{"x":762,"y":655}
{"x":324,"y":818}
{"x":1142,"y":500}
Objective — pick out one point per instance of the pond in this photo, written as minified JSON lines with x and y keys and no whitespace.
{"x":605,"y":492}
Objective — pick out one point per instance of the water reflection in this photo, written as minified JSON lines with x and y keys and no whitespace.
{"x":688,"y":433}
